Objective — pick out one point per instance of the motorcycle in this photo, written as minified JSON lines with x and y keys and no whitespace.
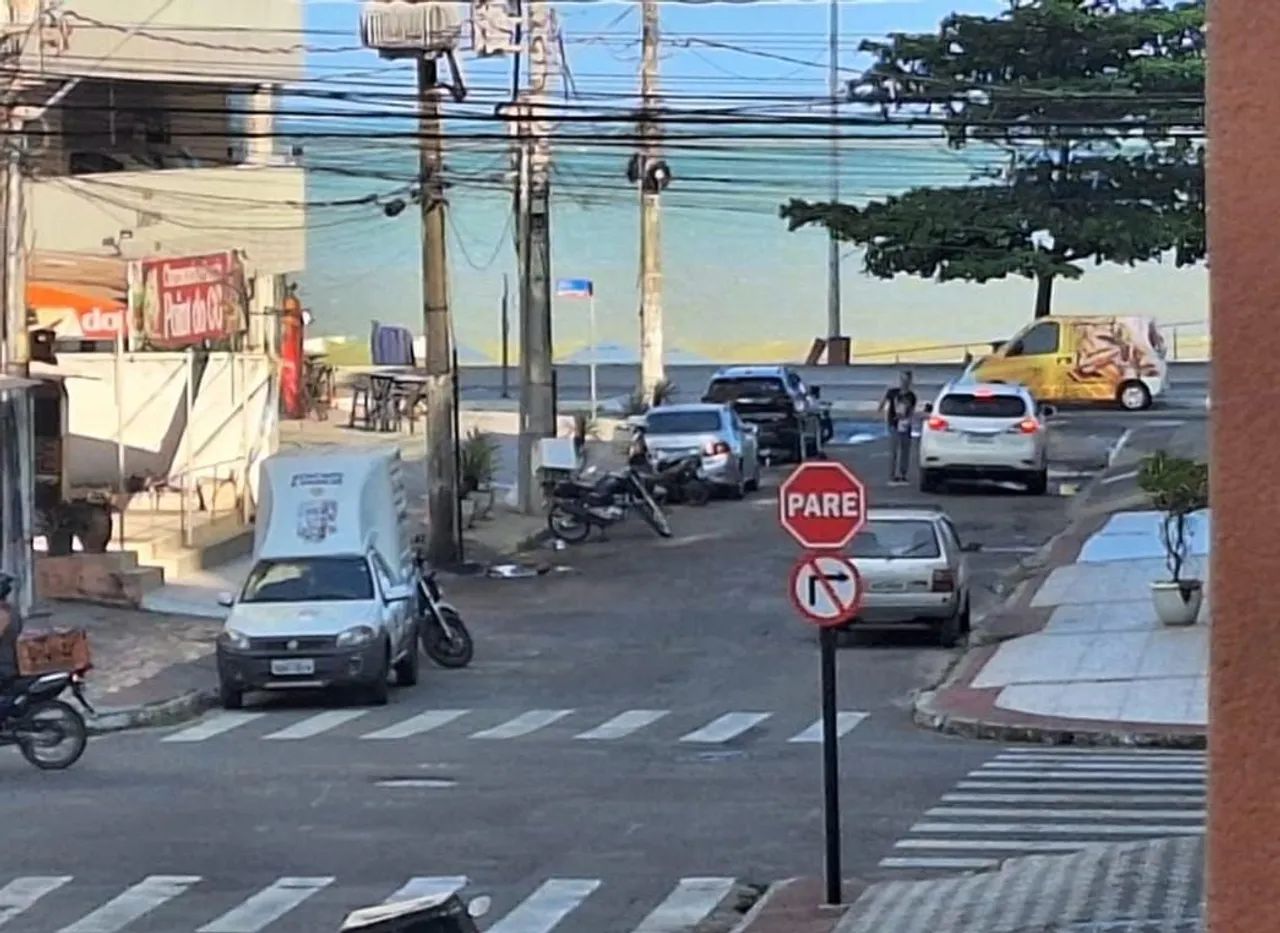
{"x":682,"y":481}
{"x":443,"y":634}
{"x":50,"y":733}
{"x":578,"y":506}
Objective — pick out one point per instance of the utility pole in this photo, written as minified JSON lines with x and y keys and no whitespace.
{"x":837,"y":348}
{"x":440,"y":397}
{"x":537,"y":375}
{"x":651,"y":340}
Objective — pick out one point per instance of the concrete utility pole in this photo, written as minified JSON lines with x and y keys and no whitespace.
{"x":836,"y":348}
{"x":441,"y":400}
{"x":537,"y":374}
{"x":651,"y":340}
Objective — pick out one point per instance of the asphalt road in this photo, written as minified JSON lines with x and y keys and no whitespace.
{"x":631,"y":738}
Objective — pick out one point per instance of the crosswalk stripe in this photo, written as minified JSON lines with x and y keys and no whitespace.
{"x":1101,"y":758}
{"x":940,"y":863}
{"x":314,"y":725}
{"x":267,"y":906}
{"x":845,"y":722}
{"x":1118,"y":776}
{"x":20,"y":894}
{"x":1060,"y":829}
{"x":1075,"y":798}
{"x":132,"y":904}
{"x":416,"y":725}
{"x":1075,"y":814}
{"x":727,"y":727}
{"x":523,"y":724}
{"x":1078,"y":785}
{"x":623,"y":724}
{"x":692,"y":901}
{"x":429,"y":886}
{"x":993,"y":845}
{"x":1085,"y":751}
{"x":213,"y":725}
{"x":542,"y":910}
{"x":1119,"y":767}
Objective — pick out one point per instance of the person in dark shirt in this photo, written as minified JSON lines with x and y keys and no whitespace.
{"x":899,"y":407}
{"x":9,"y":630}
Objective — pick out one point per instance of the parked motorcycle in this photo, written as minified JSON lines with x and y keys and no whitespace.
{"x":682,"y":480}
{"x":578,"y":506}
{"x":443,"y":634}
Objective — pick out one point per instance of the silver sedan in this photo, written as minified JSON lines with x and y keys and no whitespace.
{"x":729,"y":448}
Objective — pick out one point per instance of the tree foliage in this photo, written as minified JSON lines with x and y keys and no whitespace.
{"x":1099,"y":106}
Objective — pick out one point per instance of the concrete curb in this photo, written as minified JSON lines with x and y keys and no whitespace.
{"x":772,"y":892}
{"x":168,"y":712}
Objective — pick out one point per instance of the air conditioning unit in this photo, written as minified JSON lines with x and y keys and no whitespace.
{"x":401,"y":28}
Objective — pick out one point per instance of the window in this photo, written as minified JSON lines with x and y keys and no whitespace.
{"x":880,"y":540}
{"x":765,"y":388}
{"x":386,"y":578}
{"x":961,"y":405}
{"x":308,"y":579}
{"x":1041,"y":339}
{"x":952,"y":536}
{"x":682,"y":422}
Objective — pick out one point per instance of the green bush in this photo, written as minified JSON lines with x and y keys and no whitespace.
{"x":478,"y":461}
{"x":1177,"y":487}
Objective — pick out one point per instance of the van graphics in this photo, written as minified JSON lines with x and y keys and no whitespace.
{"x":1115,"y":352}
{"x":317,"y":519}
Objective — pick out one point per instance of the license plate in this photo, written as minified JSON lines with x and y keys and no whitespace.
{"x":888,"y":587}
{"x":293,"y":666}
{"x":980,"y":439}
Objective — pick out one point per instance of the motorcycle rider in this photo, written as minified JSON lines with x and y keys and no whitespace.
{"x":10,"y":628}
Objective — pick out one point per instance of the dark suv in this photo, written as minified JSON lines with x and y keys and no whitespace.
{"x":787,"y":415}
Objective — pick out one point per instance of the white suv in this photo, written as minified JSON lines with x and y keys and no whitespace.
{"x":981,"y":430}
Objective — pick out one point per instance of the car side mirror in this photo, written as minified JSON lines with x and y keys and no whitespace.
{"x":226,"y":600}
{"x":927,"y":408}
{"x":398,"y":593}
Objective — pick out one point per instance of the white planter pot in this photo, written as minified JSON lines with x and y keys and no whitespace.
{"x":1177,"y":603}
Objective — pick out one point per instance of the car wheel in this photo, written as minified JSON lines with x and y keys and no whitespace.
{"x":1038,"y":483}
{"x":1134,"y":396}
{"x":798,"y":449}
{"x":407,"y":667}
{"x":754,"y":483}
{"x":930,"y":481}
{"x":380,"y":689}
{"x":229,"y":696}
{"x":950,"y":631}
{"x":739,"y":489}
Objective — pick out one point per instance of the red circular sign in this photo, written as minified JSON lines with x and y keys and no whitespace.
{"x":822,"y":505}
{"x":825,"y":588}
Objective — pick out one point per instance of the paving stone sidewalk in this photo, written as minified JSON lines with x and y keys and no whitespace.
{"x":1146,"y":887}
{"x":148,"y":668}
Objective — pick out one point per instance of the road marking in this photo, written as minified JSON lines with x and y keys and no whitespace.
{"x":995,"y":845}
{"x":623,"y":724}
{"x":1118,"y":447}
{"x":523,"y":724}
{"x":20,"y":894}
{"x":1085,"y":751}
{"x":1095,"y":775}
{"x":1074,"y":814}
{"x":267,"y":906}
{"x":1074,"y":798}
{"x":944,"y":862}
{"x":214,"y":725}
{"x":429,"y":886}
{"x":1175,"y":767}
{"x":1079,"y":785}
{"x":845,"y":722}
{"x":692,"y":901}
{"x":543,"y":910}
{"x":1104,"y":757}
{"x":1060,"y":829}
{"x":434,"y":783}
{"x":314,"y":725}
{"x":728,"y":726}
{"x":132,"y":904}
{"x":416,"y":725}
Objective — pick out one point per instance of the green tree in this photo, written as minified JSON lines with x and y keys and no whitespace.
{"x":1096,"y":105}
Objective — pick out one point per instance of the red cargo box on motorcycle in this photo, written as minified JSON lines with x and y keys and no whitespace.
{"x":44,"y":652}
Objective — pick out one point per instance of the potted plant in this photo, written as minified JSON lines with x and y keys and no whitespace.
{"x":478,"y":465}
{"x":1178,"y":488}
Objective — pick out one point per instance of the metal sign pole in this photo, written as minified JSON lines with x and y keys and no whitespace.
{"x":830,"y":763}
{"x":591,"y":326}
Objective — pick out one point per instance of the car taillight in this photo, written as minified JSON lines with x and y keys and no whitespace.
{"x":938,"y":424}
{"x":1028,"y":426}
{"x":944,"y":581}
{"x":719,"y":447}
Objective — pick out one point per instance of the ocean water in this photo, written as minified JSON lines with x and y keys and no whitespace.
{"x":736,"y":284}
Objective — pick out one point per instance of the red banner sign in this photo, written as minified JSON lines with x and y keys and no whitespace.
{"x":192,"y":299}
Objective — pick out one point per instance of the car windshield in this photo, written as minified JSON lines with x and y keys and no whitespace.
{"x":682,"y":422}
{"x":730,"y":390}
{"x":890,"y":539}
{"x":982,"y":406}
{"x":308,"y":579}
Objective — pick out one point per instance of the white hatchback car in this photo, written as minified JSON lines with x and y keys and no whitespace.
{"x":990,"y":431}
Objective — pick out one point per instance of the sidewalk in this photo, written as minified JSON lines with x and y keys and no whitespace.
{"x":1144,"y":887}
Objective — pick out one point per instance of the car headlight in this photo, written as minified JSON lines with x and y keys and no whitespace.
{"x":360,"y":635}
{"x":238,"y":641}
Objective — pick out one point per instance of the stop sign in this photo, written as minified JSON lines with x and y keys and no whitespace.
{"x":822,"y":505}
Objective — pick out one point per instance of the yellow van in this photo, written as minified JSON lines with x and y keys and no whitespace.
{"x":1083,"y":359}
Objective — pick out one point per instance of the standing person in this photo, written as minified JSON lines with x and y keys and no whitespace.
{"x":899,"y":407}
